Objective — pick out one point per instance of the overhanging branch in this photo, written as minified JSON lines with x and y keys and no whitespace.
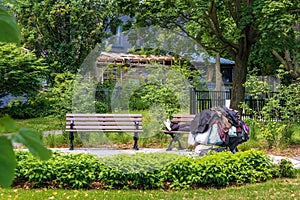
{"x":281,"y":59}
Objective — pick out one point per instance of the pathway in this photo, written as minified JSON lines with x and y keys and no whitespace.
{"x":101,"y":152}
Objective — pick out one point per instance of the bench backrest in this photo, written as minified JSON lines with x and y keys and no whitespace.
{"x":104,"y":122}
{"x":183,"y":118}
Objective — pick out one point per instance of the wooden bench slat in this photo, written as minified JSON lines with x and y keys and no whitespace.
{"x":180,"y":118}
{"x":104,"y":127}
{"x":104,"y":131}
{"x":103,"y":123}
{"x":104,"y":115}
{"x":103,"y":119}
{"x":183,"y":115}
{"x":168,"y":132}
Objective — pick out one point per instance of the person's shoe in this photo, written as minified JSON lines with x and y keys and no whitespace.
{"x":168,"y":124}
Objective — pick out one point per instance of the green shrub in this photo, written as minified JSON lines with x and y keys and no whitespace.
{"x":101,"y":107}
{"x":280,"y":112}
{"x":33,"y":108}
{"x":62,"y":170}
{"x":147,"y":170}
{"x":218,"y":169}
{"x":176,"y":175}
{"x":286,"y":169}
{"x":135,"y":171}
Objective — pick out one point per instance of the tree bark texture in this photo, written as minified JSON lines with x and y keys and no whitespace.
{"x":239,"y":78}
{"x":218,"y":73}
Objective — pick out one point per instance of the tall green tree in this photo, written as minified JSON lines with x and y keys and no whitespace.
{"x":226,"y":27}
{"x":279,"y":43}
{"x":10,"y":33}
{"x":21,"y":73}
{"x":63,"y":31}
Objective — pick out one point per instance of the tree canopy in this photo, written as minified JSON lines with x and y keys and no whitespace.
{"x":279,"y":42}
{"x":228,"y":27}
{"x":63,"y":32}
{"x":20,"y":71}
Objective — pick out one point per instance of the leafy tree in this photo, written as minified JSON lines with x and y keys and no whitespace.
{"x":279,"y":42}
{"x":63,"y":31}
{"x":225,"y":27}
{"x":56,"y":100}
{"x":24,"y":136}
{"x":20,"y":71}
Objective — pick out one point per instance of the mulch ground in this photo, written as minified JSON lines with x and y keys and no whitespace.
{"x":292,"y":151}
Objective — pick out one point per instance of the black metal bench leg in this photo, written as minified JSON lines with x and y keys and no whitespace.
{"x":71,"y":135}
{"x":171,"y":143}
{"x":179,"y":143}
{"x":175,"y":138}
{"x":136,"y":138}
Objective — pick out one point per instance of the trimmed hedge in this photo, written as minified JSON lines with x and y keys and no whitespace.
{"x":146,"y":170}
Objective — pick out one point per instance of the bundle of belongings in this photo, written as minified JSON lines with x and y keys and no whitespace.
{"x":219,"y":126}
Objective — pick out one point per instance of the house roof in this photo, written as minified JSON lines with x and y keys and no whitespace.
{"x":126,"y":58}
{"x":202,"y":58}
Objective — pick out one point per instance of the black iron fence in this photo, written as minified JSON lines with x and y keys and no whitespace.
{"x":201,"y":100}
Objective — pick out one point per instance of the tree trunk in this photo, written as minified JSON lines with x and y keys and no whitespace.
{"x":218,"y":88}
{"x":218,"y":73}
{"x":241,"y":56}
{"x":209,"y":73}
{"x":239,"y":78}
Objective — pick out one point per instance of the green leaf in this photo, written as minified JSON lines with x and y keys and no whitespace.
{"x":9,"y":31}
{"x":7,"y":125}
{"x":7,"y":162}
{"x":29,"y":138}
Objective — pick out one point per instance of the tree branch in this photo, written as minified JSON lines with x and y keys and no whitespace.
{"x":232,"y":11}
{"x":281,"y":59}
{"x":215,"y":27}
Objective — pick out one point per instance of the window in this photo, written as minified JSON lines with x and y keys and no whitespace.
{"x":226,"y":74}
{"x":117,"y":32}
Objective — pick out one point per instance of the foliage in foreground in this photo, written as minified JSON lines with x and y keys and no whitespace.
{"x":147,"y":171}
{"x":10,"y":31}
{"x":25,"y":136}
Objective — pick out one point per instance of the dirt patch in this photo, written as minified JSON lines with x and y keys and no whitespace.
{"x":291,"y":151}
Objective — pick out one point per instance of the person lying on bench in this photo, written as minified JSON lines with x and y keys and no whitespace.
{"x":174,"y":126}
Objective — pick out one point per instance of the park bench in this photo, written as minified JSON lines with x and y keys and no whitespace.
{"x":175,"y":135}
{"x":105,"y":123}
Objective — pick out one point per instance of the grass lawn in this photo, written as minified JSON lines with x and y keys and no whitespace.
{"x":273,"y":189}
{"x":42,"y":123}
